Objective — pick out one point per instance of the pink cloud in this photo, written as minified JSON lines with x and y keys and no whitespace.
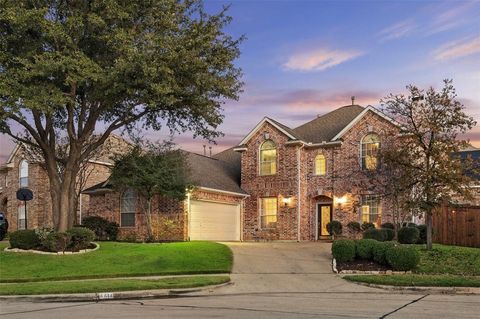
{"x":398,"y":30}
{"x":319,"y":59}
{"x":458,"y":49}
{"x":452,"y":17}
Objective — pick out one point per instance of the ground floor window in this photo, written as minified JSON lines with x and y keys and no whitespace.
{"x":371,"y":209}
{"x":21,"y":217}
{"x":127,"y":210}
{"x":268,"y":212}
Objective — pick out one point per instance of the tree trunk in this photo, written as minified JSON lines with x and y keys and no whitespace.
{"x":429,"y":221}
{"x":148,"y":215}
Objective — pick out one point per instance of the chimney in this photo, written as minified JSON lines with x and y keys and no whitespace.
{"x":204,"y":150}
{"x":210,"y":148}
{"x":353,"y":100}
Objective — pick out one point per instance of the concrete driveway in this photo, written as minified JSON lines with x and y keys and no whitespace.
{"x":285,"y":267}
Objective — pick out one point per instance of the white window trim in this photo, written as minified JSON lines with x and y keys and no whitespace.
{"x":260,"y":211}
{"x":21,"y":171}
{"x":260,"y":159}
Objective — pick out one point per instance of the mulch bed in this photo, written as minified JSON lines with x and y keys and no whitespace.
{"x":361,"y":265}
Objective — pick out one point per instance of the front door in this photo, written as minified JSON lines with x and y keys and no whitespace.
{"x":324,"y":217}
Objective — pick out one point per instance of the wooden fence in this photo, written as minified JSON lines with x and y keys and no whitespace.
{"x":457,"y":225}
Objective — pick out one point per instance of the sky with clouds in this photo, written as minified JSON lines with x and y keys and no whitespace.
{"x":304,"y":58}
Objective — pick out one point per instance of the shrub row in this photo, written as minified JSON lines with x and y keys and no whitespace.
{"x":73,"y":239}
{"x":103,"y":229}
{"x":399,"y":257}
{"x":382,"y":234}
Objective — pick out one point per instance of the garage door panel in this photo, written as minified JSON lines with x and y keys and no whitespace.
{"x":214,"y":221}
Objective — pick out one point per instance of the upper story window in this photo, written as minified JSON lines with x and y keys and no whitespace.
{"x":369,"y":152}
{"x":320,"y":165}
{"x":268,"y":158}
{"x":128,"y":208}
{"x":23,"y":173}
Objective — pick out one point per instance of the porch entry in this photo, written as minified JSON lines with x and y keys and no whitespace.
{"x":324,"y":212}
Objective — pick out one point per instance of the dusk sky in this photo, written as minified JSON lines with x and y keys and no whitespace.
{"x":304,"y":58}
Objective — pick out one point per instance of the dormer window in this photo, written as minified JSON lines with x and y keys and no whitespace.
{"x":268,"y":158}
{"x":23,"y":173}
{"x":369,"y":151}
{"x":320,"y":165}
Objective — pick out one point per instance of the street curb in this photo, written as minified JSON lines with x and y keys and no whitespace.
{"x":429,"y":290}
{"x":106,"y":296}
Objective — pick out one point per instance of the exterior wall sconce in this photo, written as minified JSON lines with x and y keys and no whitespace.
{"x":286,"y":201}
{"x":340,"y":200}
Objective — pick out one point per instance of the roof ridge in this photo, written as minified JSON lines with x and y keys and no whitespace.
{"x":332,"y":111}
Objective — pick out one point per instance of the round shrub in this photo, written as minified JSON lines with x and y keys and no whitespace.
{"x":354,"y":227}
{"x":388,"y":225}
{"x":24,"y":239}
{"x":343,"y":250}
{"x":402,"y":258}
{"x":364,"y":248}
{"x":80,"y":238}
{"x":367,"y":225}
{"x":334,"y":228}
{"x":379,"y":251}
{"x":388,"y":234}
{"x":103,"y":229}
{"x":408,"y":235}
{"x":56,"y":242}
{"x":422,"y":234}
{"x":373,"y":233}
{"x":409,"y":224}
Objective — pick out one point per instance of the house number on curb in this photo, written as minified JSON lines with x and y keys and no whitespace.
{"x":105,"y":295}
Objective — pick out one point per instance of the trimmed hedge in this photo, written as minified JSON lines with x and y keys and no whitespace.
{"x":80,"y":238}
{"x":379,"y":251}
{"x":343,"y":250}
{"x":24,"y":239}
{"x":388,"y":234}
{"x":103,"y":229}
{"x":374,"y":233}
{"x":422,"y":239}
{"x":402,"y":258}
{"x":388,"y":225}
{"x":334,"y":228}
{"x":354,"y":227}
{"x":56,"y":242}
{"x":367,"y":225}
{"x":364,"y":248}
{"x":408,"y":235}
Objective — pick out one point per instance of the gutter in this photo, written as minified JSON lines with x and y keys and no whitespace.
{"x":322,"y":144}
{"x":207,"y":189}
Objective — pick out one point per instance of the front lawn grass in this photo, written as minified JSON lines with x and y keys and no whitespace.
{"x":443,"y":266}
{"x":417,"y":280}
{"x":108,"y":285}
{"x":114,"y":259}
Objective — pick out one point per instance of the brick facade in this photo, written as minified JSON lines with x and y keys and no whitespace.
{"x":296,"y":179}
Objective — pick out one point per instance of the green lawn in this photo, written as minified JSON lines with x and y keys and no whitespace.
{"x":107,"y":285}
{"x":444,"y":266}
{"x":115,"y":259}
{"x":417,"y":280}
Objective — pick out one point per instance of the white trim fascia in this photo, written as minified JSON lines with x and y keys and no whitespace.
{"x":13,"y":153}
{"x":360,"y":116}
{"x":240,"y":149}
{"x":324,"y":144}
{"x":208,"y":189}
{"x":100,"y":163}
{"x":259,"y":125}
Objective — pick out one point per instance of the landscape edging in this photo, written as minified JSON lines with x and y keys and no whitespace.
{"x":33,"y":251}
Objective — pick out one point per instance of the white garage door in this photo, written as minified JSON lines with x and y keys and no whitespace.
{"x":214,"y":221}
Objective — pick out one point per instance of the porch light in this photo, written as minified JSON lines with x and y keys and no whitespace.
{"x":340,"y":200}
{"x":286,"y":201}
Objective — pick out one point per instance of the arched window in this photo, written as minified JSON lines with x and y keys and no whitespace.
{"x":23,"y":173}
{"x":320,"y":165}
{"x":127,"y":208}
{"x":369,"y":152}
{"x":268,"y":158}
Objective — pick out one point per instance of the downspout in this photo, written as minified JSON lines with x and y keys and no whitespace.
{"x":188,"y":216}
{"x":299,"y":189}
{"x":80,"y":213}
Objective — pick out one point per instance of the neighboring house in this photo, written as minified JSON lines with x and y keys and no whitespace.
{"x":472,"y":155}
{"x":21,"y":170}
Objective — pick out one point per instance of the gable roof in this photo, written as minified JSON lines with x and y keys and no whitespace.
{"x":221,"y":173}
{"x":326,"y":127}
{"x":281,"y":127}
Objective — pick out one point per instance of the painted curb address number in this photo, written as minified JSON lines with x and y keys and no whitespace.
{"x":105,"y":295}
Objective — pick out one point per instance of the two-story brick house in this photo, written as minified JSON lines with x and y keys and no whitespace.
{"x":300,"y":179}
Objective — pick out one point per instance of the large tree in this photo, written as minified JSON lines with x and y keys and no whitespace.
{"x":82,"y":69}
{"x":432,"y":122}
{"x":152,"y":170}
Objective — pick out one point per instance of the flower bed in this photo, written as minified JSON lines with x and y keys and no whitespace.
{"x":92,"y":247}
